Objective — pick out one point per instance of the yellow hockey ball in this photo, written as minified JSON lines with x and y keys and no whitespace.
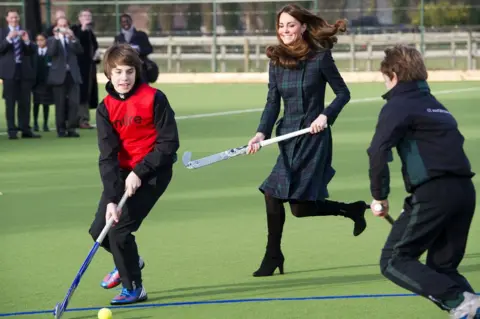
{"x":104,"y":313}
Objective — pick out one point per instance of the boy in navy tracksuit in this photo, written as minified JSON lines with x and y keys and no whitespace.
{"x":138,"y":141}
{"x":437,"y":215}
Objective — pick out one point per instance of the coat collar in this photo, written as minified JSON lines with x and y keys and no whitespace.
{"x":122,"y":34}
{"x":404,"y":87}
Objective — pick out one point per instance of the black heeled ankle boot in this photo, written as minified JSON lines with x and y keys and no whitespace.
{"x":273,"y":258}
{"x":269,"y":264}
{"x":356,"y":212}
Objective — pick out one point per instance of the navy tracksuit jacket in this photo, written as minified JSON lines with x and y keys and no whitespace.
{"x":425,"y":135}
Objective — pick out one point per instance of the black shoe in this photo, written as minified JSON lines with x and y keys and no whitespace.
{"x":45,"y":128}
{"x":30,"y":135}
{"x":35,"y":127}
{"x":73,"y":134}
{"x":269,"y":264}
{"x":356,"y":213}
{"x":12,"y":137}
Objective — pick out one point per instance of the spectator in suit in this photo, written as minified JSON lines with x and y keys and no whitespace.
{"x":42,"y":92}
{"x":137,"y":39}
{"x":17,"y":74}
{"x":65,"y":78}
{"x":88,"y":69}
{"x":58,"y":14}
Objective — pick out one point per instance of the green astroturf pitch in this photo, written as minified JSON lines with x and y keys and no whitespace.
{"x":207,"y":234}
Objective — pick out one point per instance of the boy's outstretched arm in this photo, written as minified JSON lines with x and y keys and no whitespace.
{"x":167,"y":142}
{"x":391,"y":128}
{"x":108,"y":144}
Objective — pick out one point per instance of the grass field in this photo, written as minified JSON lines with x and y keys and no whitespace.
{"x":207,"y":233}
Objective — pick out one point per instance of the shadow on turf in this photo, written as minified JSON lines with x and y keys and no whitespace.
{"x":332,"y":268}
{"x":264,"y":284}
{"x":135,"y":317}
{"x":116,"y":312}
{"x":474,"y":255}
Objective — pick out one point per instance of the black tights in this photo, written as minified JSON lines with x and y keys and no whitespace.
{"x":36,"y":110}
{"x":307,"y":208}
{"x":276,"y":215}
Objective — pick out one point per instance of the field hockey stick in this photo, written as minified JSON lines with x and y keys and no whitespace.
{"x":388,"y":218}
{"x":233,"y":152}
{"x":61,"y":307}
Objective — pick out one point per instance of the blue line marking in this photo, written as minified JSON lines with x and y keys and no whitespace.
{"x":209,"y":302}
{"x":206,"y":302}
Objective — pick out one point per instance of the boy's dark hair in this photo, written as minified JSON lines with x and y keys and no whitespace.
{"x":62,"y":18}
{"x":126,"y":15}
{"x":84,"y":10}
{"x":121,"y":54}
{"x":406,"y":62}
{"x":11,"y":11}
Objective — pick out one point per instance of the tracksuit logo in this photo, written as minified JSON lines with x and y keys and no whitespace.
{"x":127,"y":121}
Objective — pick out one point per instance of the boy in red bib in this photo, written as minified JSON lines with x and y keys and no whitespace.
{"x":138,"y":141}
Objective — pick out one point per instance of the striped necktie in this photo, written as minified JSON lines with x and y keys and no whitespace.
{"x":17,"y":47}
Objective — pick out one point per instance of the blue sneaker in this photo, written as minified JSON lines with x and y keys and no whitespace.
{"x":112,"y":279}
{"x":468,"y":309}
{"x":128,"y":296}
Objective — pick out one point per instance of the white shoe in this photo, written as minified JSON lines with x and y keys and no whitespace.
{"x":468,"y":309}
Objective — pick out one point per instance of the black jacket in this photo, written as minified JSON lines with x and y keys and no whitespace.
{"x":163,"y":153}
{"x":139,"y":38}
{"x":426,"y":137}
{"x":7,"y":58}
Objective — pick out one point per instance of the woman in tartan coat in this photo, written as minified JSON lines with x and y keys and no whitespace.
{"x":300,"y":67}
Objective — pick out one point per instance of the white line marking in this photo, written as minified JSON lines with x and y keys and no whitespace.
{"x":368,"y":99}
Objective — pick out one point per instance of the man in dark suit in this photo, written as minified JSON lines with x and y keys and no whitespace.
{"x":18,"y":75}
{"x":137,"y":39}
{"x":65,"y":78}
{"x":87,"y":63}
{"x":58,"y":14}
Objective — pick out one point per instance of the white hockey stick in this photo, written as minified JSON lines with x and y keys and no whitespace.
{"x":208,"y":160}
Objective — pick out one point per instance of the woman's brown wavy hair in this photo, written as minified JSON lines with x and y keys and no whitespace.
{"x":319,"y":34}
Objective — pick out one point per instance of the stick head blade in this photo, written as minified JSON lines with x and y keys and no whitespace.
{"x":57,"y":311}
{"x":187,"y":156}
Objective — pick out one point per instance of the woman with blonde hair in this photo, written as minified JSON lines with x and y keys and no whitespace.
{"x":301,"y":65}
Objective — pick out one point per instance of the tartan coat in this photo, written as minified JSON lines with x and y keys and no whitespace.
{"x":304,"y":165}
